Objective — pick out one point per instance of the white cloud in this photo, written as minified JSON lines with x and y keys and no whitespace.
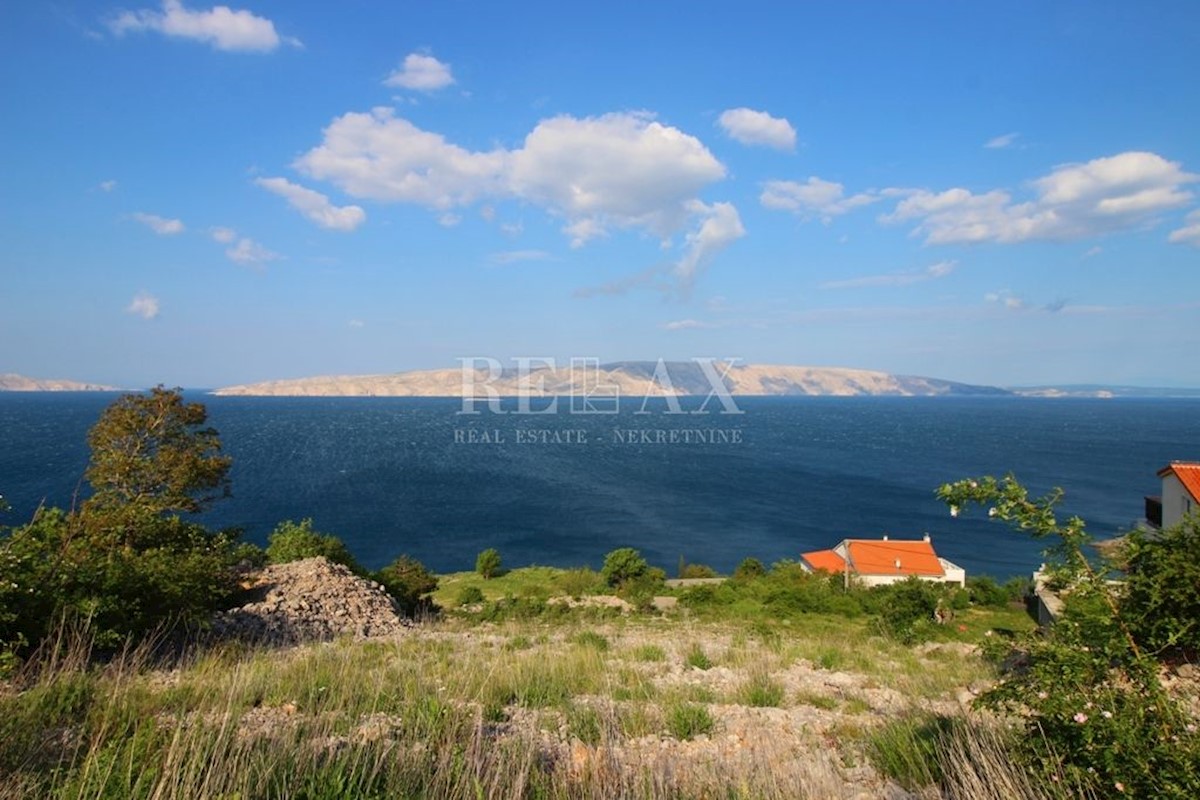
{"x":1073,"y":201}
{"x":160,"y":225}
{"x":220,"y":26}
{"x":616,"y":170}
{"x":144,"y":305}
{"x":1189,"y":233}
{"x":449,"y":219}
{"x":315,"y":205}
{"x":107,"y":186}
{"x":939,"y":270}
{"x":355,"y":323}
{"x":250,"y":253}
{"x":814,"y":199}
{"x":1001,"y":142}
{"x":223,"y":235}
{"x":1093,"y":251}
{"x":597,"y":174}
{"x":719,"y":227}
{"x":377,"y":156}
{"x":421,"y":73}
{"x":685,"y":324}
{"x":758,"y":128}
{"x":516,"y":256}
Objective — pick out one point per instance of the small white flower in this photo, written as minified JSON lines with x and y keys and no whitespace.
{"x":1080,"y":717}
{"x":1042,"y":695}
{"x":1106,"y":714}
{"x":954,"y":511}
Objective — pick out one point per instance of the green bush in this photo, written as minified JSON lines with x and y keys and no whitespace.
{"x":407,"y":580}
{"x":470,"y":595}
{"x":1162,"y":587}
{"x":749,"y":569}
{"x":487,"y":563}
{"x":579,"y":582}
{"x":292,"y":541}
{"x":696,"y":657}
{"x":907,"y":608}
{"x":697,"y":571}
{"x":622,"y":566}
{"x":1093,"y":705}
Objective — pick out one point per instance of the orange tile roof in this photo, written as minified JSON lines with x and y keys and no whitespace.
{"x":827,"y":560}
{"x":880,"y":557}
{"x":1188,"y":473}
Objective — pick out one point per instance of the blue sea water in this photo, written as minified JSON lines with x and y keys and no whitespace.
{"x":401,"y":475}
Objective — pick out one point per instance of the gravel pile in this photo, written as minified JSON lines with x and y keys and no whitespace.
{"x":311,"y":600}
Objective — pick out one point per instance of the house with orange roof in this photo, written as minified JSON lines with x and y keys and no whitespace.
{"x":1180,"y":494}
{"x":875,"y":562}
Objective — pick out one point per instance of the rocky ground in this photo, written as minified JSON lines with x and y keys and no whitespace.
{"x":311,"y":601}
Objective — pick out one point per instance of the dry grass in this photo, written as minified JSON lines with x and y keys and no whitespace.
{"x":461,"y":709}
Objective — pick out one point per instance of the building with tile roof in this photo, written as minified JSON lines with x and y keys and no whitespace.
{"x":1180,"y":493}
{"x":875,"y":562}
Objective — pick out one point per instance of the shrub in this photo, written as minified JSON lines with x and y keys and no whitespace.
{"x":749,"y":569}
{"x":1093,"y":705}
{"x":688,"y":720}
{"x":907,"y":608}
{"x":487,"y":563}
{"x":291,"y":541}
{"x":470,"y":595}
{"x":1162,"y":586}
{"x":697,"y":571}
{"x":622,"y":566}
{"x":407,"y":580}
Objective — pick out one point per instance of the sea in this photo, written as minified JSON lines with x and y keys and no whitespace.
{"x":785,"y":475}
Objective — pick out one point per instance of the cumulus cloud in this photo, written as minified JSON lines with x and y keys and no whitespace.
{"x":221,"y":27}
{"x":814,"y":199}
{"x":1072,"y":202}
{"x":934,"y":271}
{"x":752,"y":127}
{"x":1001,"y":142}
{"x":720,"y":226}
{"x":144,"y":305}
{"x":1190,"y":232}
{"x":377,"y":156}
{"x":597,"y":174}
{"x":250,"y":253}
{"x":160,"y":225}
{"x":223,"y":235}
{"x":421,"y":73}
{"x":616,"y":170}
{"x":315,"y":205}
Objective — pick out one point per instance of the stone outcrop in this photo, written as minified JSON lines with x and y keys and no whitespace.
{"x":311,"y":600}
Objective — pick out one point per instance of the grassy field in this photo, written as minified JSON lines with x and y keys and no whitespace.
{"x":580,"y":704}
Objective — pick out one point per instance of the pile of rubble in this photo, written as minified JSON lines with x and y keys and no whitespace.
{"x":311,"y":600}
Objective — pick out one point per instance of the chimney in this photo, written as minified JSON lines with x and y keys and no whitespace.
{"x":926,"y":537}
{"x":897,"y":565}
{"x":885,"y":537}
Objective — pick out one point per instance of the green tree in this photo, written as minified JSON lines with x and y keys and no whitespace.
{"x":1096,"y":713}
{"x":623,"y":565}
{"x":151,"y":453}
{"x":487,"y":563}
{"x":749,"y":569}
{"x":126,"y":563}
{"x":293,"y":542}
{"x":410,"y":582}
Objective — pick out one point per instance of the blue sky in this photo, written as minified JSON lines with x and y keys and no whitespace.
{"x":201,"y":195}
